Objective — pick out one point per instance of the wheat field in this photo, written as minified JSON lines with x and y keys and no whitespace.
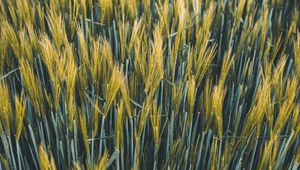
{"x":149,"y":84}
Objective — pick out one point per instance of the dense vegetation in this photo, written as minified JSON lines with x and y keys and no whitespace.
{"x":143,"y":84}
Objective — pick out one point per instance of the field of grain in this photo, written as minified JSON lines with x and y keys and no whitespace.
{"x":149,"y":84}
